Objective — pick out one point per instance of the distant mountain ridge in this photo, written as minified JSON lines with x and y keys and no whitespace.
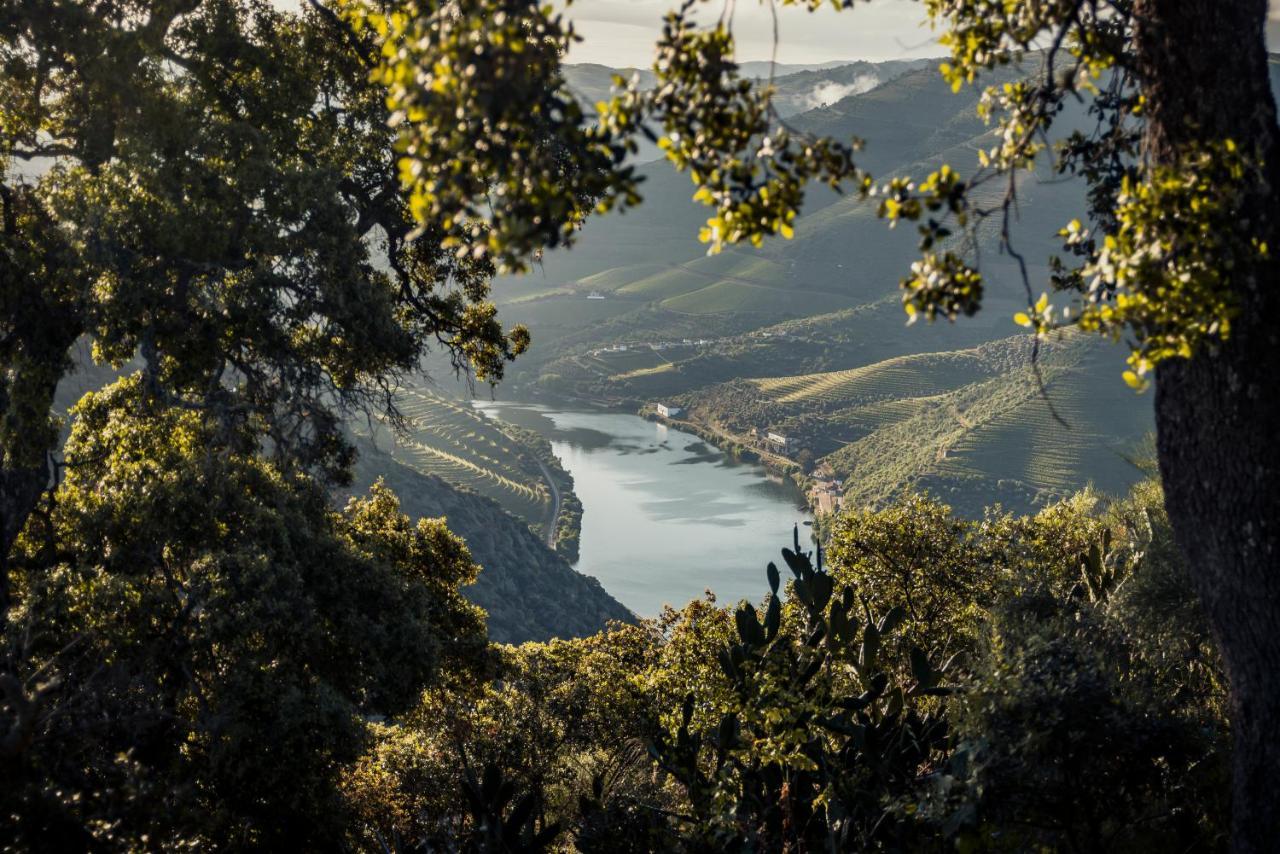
{"x":797,"y":87}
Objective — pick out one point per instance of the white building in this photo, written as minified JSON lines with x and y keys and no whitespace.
{"x":669,"y":411}
{"x":781,"y":441}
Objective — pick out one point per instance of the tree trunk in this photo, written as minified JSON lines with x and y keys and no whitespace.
{"x":1204,"y":70}
{"x":40,"y":321}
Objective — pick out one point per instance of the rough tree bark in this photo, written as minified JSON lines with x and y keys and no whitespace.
{"x":1204,"y":69}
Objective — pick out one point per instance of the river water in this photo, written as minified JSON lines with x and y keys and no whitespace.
{"x":666,"y":516}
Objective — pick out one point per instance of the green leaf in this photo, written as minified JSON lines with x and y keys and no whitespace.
{"x":920,"y":668}
{"x":894,"y":706}
{"x":870,"y":647}
{"x":822,"y":586}
{"x":772,"y":618}
{"x":727,"y":734}
{"x":841,"y":631}
{"x":892,"y":620}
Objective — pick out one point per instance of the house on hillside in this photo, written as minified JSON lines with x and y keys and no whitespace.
{"x":825,"y":497}
{"x":781,"y":442}
{"x":827,"y":503}
{"x":669,"y":411}
{"x":595,"y":295}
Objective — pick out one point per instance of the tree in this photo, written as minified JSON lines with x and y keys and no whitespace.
{"x":1077,"y":705}
{"x":211,"y":199}
{"x":212,"y":642}
{"x":218,"y":199}
{"x":1175,"y":250}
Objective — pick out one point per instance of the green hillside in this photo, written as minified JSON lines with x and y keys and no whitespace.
{"x":842,"y":257}
{"x":998,"y":437}
{"x":970,"y":425}
{"x":738,"y":296}
{"x":901,"y":377}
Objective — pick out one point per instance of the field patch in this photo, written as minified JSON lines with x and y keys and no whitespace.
{"x":724,"y":297}
{"x":618,"y":277}
{"x":671,"y":282}
{"x":903,"y":377}
{"x":449,"y":439}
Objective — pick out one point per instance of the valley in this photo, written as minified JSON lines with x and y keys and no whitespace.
{"x":806,"y":338}
{"x":796,"y":356}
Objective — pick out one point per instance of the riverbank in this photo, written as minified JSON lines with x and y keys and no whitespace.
{"x":668,"y":513}
{"x":737,"y":447}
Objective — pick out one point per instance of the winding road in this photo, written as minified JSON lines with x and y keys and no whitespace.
{"x":555,"y":504}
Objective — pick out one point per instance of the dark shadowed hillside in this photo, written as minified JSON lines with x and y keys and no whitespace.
{"x":529,"y":591}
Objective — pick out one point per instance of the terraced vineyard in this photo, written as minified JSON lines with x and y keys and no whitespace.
{"x":616,"y":277}
{"x":1000,"y":436}
{"x":894,"y":379}
{"x":663,"y":284}
{"x":625,"y":361}
{"x":1029,"y":445}
{"x":742,"y":296}
{"x":449,"y":439}
{"x":919,"y":375}
{"x":740,"y":263}
{"x":872,"y":416}
{"x":970,"y":425}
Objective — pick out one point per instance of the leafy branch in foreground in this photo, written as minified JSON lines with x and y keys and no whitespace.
{"x":722,"y":130}
{"x":491,"y":71}
{"x":818,"y":740}
{"x":494,"y":150}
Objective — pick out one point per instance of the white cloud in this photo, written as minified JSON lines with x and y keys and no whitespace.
{"x":830,"y":91}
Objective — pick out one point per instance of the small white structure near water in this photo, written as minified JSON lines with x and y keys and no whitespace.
{"x":669,"y":411}
{"x":781,"y":441}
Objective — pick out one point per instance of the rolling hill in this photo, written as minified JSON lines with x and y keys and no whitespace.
{"x":969,"y":425}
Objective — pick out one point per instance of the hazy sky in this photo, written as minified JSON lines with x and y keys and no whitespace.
{"x":622,"y":32}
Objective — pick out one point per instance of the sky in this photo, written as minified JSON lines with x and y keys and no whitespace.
{"x":621,"y":33}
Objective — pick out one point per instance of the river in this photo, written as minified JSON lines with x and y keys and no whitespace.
{"x":666,"y":515}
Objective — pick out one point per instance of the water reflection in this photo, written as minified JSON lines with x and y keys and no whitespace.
{"x":666,"y":515}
